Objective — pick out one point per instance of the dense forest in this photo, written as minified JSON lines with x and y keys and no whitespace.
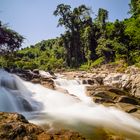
{"x":87,"y":42}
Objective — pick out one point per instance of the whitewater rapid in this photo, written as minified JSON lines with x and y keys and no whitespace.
{"x":56,"y":109}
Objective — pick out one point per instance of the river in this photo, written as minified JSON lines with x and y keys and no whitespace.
{"x":54,"y":109}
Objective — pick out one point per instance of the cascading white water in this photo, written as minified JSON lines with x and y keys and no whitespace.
{"x":74,"y":88}
{"x":14,"y":96}
{"x":63,"y":110}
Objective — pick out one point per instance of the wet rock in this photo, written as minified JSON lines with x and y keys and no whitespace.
{"x":126,"y":99}
{"x":47,"y":82}
{"x":88,"y":81}
{"x":129,"y":108}
{"x":136,"y":114}
{"x":99,"y":80}
{"x":26,"y":105}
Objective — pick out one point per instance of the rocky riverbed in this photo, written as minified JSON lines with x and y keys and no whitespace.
{"x":104,"y":86}
{"x":111,"y":88}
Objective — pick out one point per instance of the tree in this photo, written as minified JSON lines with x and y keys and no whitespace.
{"x":9,"y":40}
{"x":134,"y":7}
{"x":73,"y":20}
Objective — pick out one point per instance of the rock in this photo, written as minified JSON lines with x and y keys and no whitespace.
{"x":99,"y":79}
{"x":36,"y":81}
{"x":93,"y":81}
{"x":90,"y":90}
{"x":103,"y":94}
{"x":113,"y":79}
{"x":89,"y":81}
{"x":27,"y":75}
{"x":26,"y":105}
{"x":136,"y":86}
{"x":129,"y":108}
{"x":100,"y":100}
{"x":84,"y":81}
{"x":45,"y":74}
{"x":126,"y":99}
{"x":117,"y":91}
{"x":103,"y":97}
{"x":65,"y":135}
{"x":47,"y":82}
{"x":36,"y":71}
{"x":110,"y":96}
{"x":132,"y":70}
{"x":136,"y":114}
{"x":14,"y":126}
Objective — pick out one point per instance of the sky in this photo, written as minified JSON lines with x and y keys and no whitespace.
{"x":34,"y":19}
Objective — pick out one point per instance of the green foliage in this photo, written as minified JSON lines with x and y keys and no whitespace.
{"x":91,"y":64}
{"x":73,"y":20}
{"x":84,"y":67}
{"x":102,"y":17}
{"x":86,"y":43}
{"x":9,"y":40}
{"x":98,"y":62}
{"x":45,"y":55}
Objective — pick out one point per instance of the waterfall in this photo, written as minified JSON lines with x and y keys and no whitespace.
{"x":71,"y":110}
{"x":74,"y":87}
{"x":14,"y":96}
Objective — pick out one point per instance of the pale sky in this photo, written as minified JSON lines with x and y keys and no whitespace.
{"x":34,"y":19}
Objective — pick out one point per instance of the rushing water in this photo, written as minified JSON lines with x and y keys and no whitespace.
{"x":54,"y":109}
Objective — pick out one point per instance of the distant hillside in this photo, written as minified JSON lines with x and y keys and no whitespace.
{"x":44,"y":55}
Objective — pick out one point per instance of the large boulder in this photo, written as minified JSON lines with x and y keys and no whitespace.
{"x":91,"y":90}
{"x":114,"y":97}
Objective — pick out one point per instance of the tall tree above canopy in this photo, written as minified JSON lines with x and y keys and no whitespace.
{"x":9,"y":40}
{"x":65,"y":13}
{"x":73,"y":20}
